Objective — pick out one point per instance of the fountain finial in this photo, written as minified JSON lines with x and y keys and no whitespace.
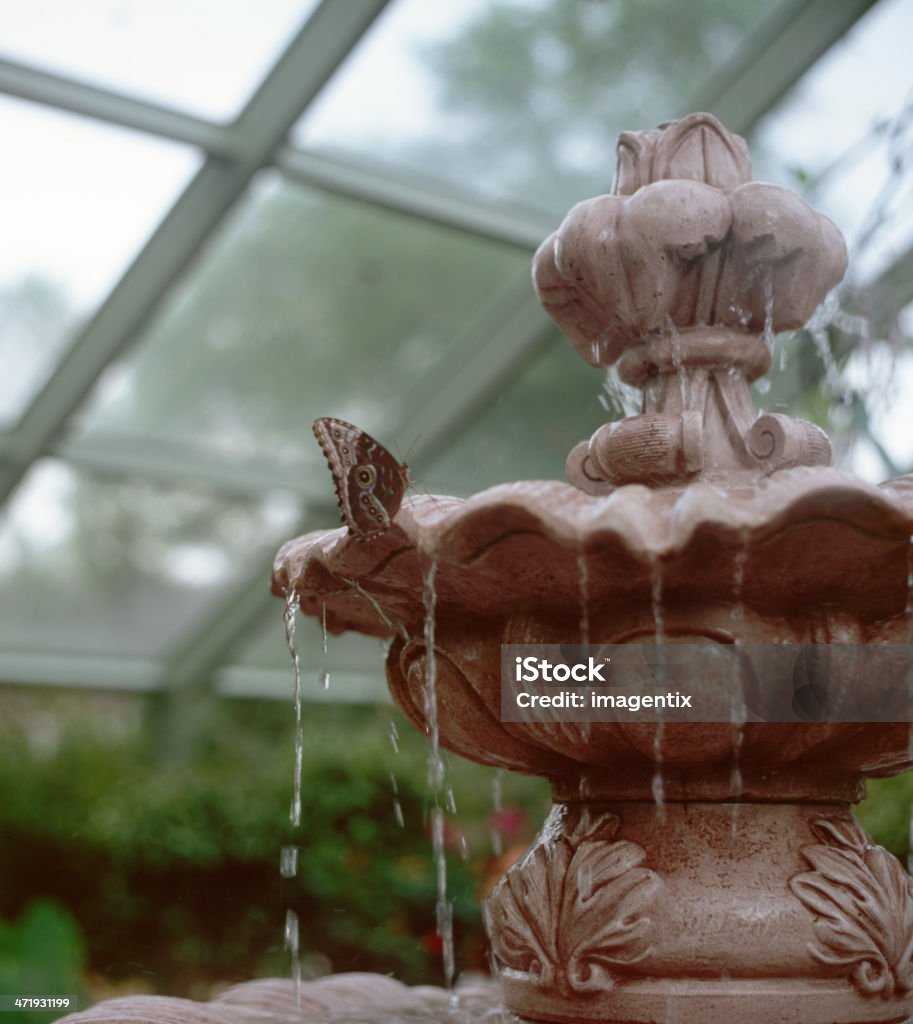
{"x":681,"y":277}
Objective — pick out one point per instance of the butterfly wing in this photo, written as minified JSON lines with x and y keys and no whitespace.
{"x":370,"y":483}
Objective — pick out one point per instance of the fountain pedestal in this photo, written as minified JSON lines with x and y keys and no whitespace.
{"x":689,"y":872}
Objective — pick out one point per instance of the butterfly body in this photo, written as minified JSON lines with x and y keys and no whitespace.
{"x":370,"y":483}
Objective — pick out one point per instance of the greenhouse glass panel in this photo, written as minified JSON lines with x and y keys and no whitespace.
{"x":351,"y":669}
{"x":123,"y":568}
{"x":204,"y":57}
{"x":521,"y":99}
{"x":843,"y":138}
{"x":79,"y":200}
{"x":553,"y":402}
{"x":305,"y":306}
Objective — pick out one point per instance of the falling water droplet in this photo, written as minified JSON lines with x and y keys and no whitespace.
{"x":323,"y":622}
{"x":464,"y":847}
{"x":738,"y":577}
{"x":497,"y":844}
{"x":435,"y":763}
{"x":677,"y":360}
{"x":769,"y":334}
{"x":394,"y":737}
{"x":323,"y":678}
{"x":291,"y":944}
{"x":444,"y":909}
{"x":397,"y":806}
{"x":737,"y":712}
{"x":288,"y":861}
{"x":291,"y":611}
{"x":658,"y":786}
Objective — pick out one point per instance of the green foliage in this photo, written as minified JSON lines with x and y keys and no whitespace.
{"x":41,"y":954}
{"x":886,"y":813}
{"x":172,"y":871}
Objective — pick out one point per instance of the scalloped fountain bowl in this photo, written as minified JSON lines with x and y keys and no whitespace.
{"x":689,"y":871}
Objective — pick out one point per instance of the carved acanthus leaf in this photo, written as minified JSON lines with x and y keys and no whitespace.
{"x":575,"y":907}
{"x":862,"y":900}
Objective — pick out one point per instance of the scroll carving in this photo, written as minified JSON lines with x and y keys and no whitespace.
{"x":862,"y":900}
{"x":576,"y":907}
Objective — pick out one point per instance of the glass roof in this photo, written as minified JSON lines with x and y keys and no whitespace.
{"x":205,"y":56}
{"x":155,"y":444}
{"x":521,"y":100}
{"x":119,"y":567}
{"x":305,"y":305}
{"x":87,"y":196}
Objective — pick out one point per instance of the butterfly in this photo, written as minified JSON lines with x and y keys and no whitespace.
{"x":370,"y":483}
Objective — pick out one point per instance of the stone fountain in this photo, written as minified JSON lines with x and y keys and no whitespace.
{"x":689,"y":871}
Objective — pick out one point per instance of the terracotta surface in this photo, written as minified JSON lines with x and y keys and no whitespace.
{"x":694,"y":872}
{"x":748,"y":892}
{"x":340,"y":999}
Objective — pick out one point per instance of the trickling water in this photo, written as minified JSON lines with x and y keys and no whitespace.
{"x":737,"y":712}
{"x":658,"y":786}
{"x":397,"y":806}
{"x":291,"y":944}
{"x":908,"y":608}
{"x":323,"y":623}
{"x":497,"y":844}
{"x":435,"y":764}
{"x":583,"y":581}
{"x":677,"y":361}
{"x":908,"y":612}
{"x":617,"y":398}
{"x":288,"y":861}
{"x":291,"y":611}
{"x":443,"y":909}
{"x":769,"y":335}
{"x":381,"y":614}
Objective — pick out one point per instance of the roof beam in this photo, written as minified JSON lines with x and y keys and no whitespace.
{"x":76,"y":97}
{"x":140,"y":676}
{"x":776,"y":57}
{"x":493,"y":357}
{"x":329,"y":34}
{"x":499,"y":222}
{"x":507,"y":333}
{"x":495,"y":222}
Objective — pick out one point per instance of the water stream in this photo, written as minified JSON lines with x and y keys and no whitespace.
{"x":436,"y":774}
{"x":658,"y":786}
{"x":738,"y":713}
{"x":293,"y":947}
{"x":291,"y":612}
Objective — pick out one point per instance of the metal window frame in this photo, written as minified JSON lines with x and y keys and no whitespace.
{"x":740,"y":95}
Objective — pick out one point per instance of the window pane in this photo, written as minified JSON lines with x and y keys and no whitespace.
{"x":205,"y":57}
{"x":78,"y":201}
{"x":521,"y":99}
{"x":306,"y":306}
{"x":352,"y":669}
{"x":121,"y":569}
{"x":844,"y":137}
{"x":528,"y":432}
